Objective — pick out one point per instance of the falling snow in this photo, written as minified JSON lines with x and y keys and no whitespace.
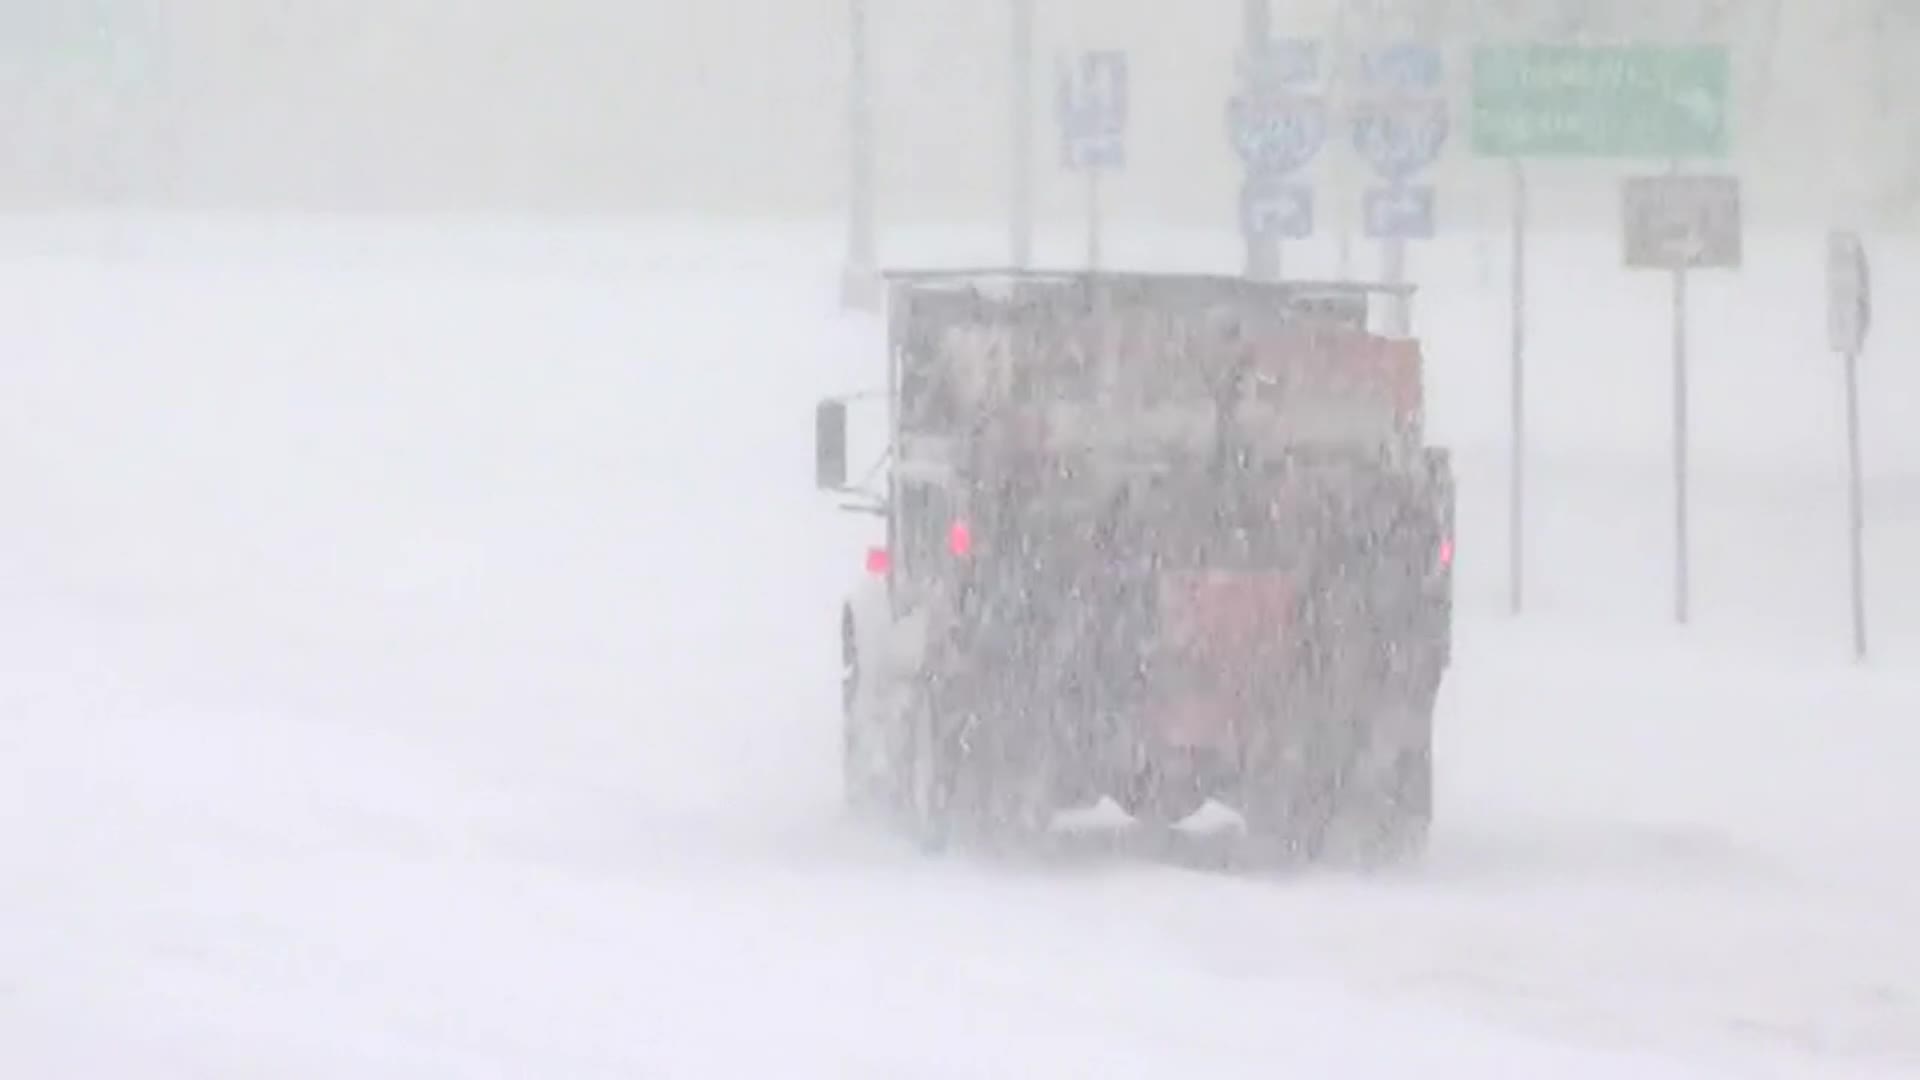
{"x":426,"y":642}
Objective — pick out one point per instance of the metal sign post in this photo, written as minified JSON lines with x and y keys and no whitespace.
{"x":1585,"y":102}
{"x":1679,"y":223}
{"x":1020,"y":105}
{"x":1093,"y":109}
{"x":1682,"y":543}
{"x":1516,"y":504}
{"x":859,"y":284}
{"x":1856,"y":510}
{"x":1263,"y":247}
{"x":1095,"y":226}
{"x":1849,"y":316}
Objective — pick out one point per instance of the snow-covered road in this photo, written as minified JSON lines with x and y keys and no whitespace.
{"x":415,"y":664}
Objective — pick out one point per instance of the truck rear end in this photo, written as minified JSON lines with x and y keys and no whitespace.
{"x":1167,"y":539}
{"x":1268,"y":637}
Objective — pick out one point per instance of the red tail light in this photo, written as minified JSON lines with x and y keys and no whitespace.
{"x":1446,"y":553}
{"x":879,"y":561}
{"x":960,"y":540}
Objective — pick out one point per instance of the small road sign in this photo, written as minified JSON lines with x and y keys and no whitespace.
{"x":1849,"y":294}
{"x":1682,"y":222}
{"x":1400,"y":137}
{"x":1649,"y":101}
{"x":1277,"y":134}
{"x":1400,"y":213}
{"x":1274,"y":208}
{"x":1093,"y":110}
{"x":1094,"y":153}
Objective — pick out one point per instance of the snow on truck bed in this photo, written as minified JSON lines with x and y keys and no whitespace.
{"x":416,"y":662}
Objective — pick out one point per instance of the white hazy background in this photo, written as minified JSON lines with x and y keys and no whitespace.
{"x":737,"y":107}
{"x":418,"y":655}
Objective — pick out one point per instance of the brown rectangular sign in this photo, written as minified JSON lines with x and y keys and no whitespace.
{"x":1681,"y":222}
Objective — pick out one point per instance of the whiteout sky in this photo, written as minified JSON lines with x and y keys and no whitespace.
{"x":737,"y":106}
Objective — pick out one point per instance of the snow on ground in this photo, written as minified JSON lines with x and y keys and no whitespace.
{"x":416,"y":663}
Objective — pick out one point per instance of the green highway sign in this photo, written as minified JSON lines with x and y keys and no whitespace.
{"x":1625,"y":101}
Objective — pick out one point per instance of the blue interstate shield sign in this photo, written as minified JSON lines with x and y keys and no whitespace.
{"x":1277,"y":134}
{"x":1400,"y":137}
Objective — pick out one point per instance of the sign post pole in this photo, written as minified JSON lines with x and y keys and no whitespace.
{"x":1093,"y":102}
{"x":1340,"y":99}
{"x":1849,"y":315}
{"x":1682,"y":543}
{"x":1682,"y":563}
{"x":1263,"y":246}
{"x":1020,"y":188}
{"x":1856,"y":509}
{"x":859,"y":286}
{"x":1094,"y":223}
{"x":1517,"y":495}
{"x":1393,"y":271}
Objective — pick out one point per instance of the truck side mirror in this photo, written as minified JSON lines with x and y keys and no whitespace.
{"x":830,"y":445}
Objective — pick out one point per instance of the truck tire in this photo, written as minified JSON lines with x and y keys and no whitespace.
{"x":1398,"y":810}
{"x":849,"y":665}
{"x":1297,"y":789}
{"x":861,"y":791}
{"x":1288,"y":813}
{"x":1386,"y":821}
{"x":965,"y":782}
{"x":1406,"y":819}
{"x":927,"y":779}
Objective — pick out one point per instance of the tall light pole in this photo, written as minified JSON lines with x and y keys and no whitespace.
{"x":1256,"y":31}
{"x":1020,"y":158}
{"x":1340,"y":102}
{"x":859,"y":283}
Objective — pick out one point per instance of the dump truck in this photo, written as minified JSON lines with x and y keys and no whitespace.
{"x":1160,"y":539}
